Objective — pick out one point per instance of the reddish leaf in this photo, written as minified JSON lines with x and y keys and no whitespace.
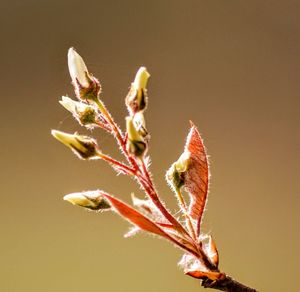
{"x":185,"y":242}
{"x":165,"y":225}
{"x":197,"y":174}
{"x":202,"y":275}
{"x":135,"y":217}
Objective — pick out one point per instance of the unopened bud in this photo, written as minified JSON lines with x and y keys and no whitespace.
{"x":140,"y":124}
{"x":136,"y":99}
{"x":141,"y":78}
{"x":133,"y":133}
{"x":91,"y":200}
{"x":85,"y":114}
{"x":175,"y":175}
{"x":86,"y":86}
{"x":77,"y":68}
{"x":84,"y":147}
{"x":136,"y":144}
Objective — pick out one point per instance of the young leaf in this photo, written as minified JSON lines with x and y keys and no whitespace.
{"x":196,"y":178}
{"x":213,"y":276}
{"x":135,"y":217}
{"x":190,"y":171}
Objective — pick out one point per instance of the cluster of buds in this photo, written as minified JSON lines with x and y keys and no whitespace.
{"x":190,"y":174}
{"x":136,"y":102}
{"x":86,"y":110}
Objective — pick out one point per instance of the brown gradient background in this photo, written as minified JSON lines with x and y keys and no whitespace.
{"x":230,"y":66}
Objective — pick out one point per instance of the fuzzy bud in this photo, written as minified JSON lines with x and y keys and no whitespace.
{"x":136,"y":99}
{"x":92,"y":200}
{"x":84,"y":147}
{"x":175,"y":175}
{"x":85,"y":114}
{"x":86,"y":86}
{"x":140,"y":124}
{"x":77,"y":68}
{"x":136,"y":144}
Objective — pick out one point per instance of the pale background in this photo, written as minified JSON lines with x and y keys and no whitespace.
{"x":233,"y":67}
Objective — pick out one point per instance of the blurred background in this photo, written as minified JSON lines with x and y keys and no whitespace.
{"x":232,"y":67}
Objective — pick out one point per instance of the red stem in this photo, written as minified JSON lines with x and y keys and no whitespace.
{"x":142,"y":175}
{"x":149,"y":189}
{"x":118,"y":164}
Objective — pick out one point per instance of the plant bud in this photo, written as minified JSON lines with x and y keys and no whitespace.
{"x":136,"y":144}
{"x":85,"y":114}
{"x":136,"y":99}
{"x":86,"y":86}
{"x":92,"y":200}
{"x":175,"y":175}
{"x":141,"y":78}
{"x":84,"y":147}
{"x":77,"y":68}
{"x":140,"y":124}
{"x":133,"y":133}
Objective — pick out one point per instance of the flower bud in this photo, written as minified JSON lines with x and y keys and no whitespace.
{"x":91,"y":200}
{"x":136,"y":99}
{"x":136,"y":144}
{"x":86,"y":86}
{"x":133,"y":133}
{"x":85,"y":114}
{"x":175,"y":175}
{"x":84,"y":147}
{"x":77,"y":68}
{"x":140,"y":124}
{"x":141,"y":78}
